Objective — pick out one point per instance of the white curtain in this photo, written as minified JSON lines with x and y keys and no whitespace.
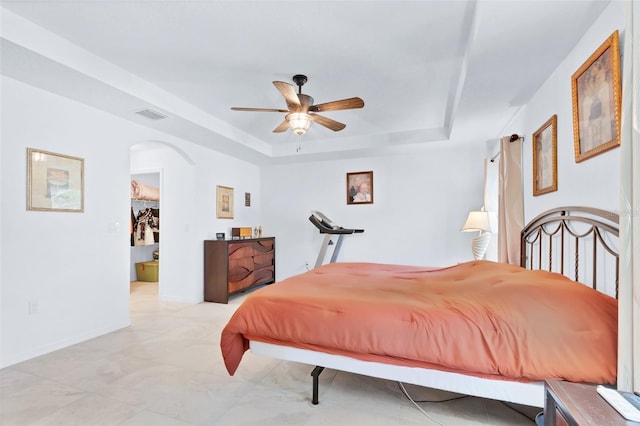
{"x":629,"y":284}
{"x":510,"y":201}
{"x":491,"y":179}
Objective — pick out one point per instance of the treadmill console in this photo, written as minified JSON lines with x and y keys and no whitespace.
{"x":326,"y":226}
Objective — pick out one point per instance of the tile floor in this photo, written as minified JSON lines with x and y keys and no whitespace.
{"x":166,"y":369}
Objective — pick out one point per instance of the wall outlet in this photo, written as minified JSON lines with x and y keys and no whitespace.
{"x":33,"y":307}
{"x":306,"y":265}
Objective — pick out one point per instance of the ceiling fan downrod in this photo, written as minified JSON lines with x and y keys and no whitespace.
{"x":300,"y":80}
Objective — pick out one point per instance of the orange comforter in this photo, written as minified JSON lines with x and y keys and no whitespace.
{"x":479,"y":318}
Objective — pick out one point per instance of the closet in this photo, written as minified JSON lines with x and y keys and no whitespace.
{"x":145,"y":227}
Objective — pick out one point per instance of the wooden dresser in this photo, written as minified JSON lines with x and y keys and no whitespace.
{"x":232,"y":266}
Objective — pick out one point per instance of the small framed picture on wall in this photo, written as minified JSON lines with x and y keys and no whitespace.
{"x":224,"y":202}
{"x":360,"y":188}
{"x":55,"y":182}
{"x":545,"y":158}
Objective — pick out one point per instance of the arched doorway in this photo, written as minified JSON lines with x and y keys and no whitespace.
{"x":144,"y":273}
{"x":169,"y":168}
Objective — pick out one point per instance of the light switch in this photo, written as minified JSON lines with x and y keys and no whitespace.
{"x":113,"y":227}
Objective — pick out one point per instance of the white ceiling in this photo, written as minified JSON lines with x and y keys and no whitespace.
{"x":429,"y":71}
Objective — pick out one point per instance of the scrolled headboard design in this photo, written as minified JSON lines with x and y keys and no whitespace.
{"x":579,"y":242}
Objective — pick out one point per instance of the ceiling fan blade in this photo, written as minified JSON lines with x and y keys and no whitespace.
{"x":283,"y":127}
{"x":288,"y":92}
{"x":327,"y":122}
{"x":350,"y":103}
{"x":259,"y":109}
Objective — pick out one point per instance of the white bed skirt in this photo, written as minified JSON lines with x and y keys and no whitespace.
{"x":531,"y":394}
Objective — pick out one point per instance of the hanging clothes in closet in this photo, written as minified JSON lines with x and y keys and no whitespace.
{"x":146,"y":227}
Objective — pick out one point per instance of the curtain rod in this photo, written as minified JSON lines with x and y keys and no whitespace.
{"x":514,"y":137}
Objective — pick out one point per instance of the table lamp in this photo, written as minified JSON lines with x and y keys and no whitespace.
{"x":478,"y":221}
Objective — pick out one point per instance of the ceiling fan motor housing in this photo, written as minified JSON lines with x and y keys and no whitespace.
{"x":299,"y":80}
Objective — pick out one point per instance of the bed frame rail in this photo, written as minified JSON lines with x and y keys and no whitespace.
{"x":578,"y":242}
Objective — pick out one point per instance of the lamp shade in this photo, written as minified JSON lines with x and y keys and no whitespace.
{"x":299,"y":122}
{"x":477,"y":221}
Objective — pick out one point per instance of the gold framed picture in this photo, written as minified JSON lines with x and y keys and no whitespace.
{"x":360,"y":188}
{"x":55,"y":182}
{"x":596,"y":94}
{"x":545,"y":157}
{"x":224,"y":202}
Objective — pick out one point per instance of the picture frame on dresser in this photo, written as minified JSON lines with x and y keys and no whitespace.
{"x":596,"y":95}
{"x":55,"y":182}
{"x":545,"y":157}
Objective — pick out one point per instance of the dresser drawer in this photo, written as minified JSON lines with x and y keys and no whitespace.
{"x":239,"y":269}
{"x":264,"y":275}
{"x":264,"y":246}
{"x":242,"y":280}
{"x":241,"y":250}
{"x":263,"y":260}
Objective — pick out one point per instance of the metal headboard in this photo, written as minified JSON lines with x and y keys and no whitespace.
{"x":579,"y":242}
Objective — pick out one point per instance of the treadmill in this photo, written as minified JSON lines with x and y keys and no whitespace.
{"x":327,"y":227}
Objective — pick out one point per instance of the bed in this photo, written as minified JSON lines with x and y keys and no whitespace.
{"x":478,"y":328}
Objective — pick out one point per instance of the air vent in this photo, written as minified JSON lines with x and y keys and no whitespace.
{"x":151,"y":114}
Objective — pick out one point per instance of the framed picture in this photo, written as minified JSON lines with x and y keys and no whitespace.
{"x":224,"y":202}
{"x":596,"y":94}
{"x":360,"y":188}
{"x":55,"y":182}
{"x":545,"y":158}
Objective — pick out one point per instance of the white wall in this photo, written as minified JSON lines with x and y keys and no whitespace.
{"x":71,"y":264}
{"x":594,"y":182}
{"x":420,"y":203}
{"x":66,"y":263}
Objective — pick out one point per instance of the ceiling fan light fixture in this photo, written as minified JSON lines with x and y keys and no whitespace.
{"x":299,"y":105}
{"x":299,"y":122}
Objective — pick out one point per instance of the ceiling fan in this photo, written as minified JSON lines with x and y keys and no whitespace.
{"x":301,"y":110}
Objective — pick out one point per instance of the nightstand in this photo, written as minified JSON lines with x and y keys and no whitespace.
{"x":574,"y":404}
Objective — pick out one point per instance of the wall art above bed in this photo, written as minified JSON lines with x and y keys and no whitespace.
{"x":596,"y":93}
